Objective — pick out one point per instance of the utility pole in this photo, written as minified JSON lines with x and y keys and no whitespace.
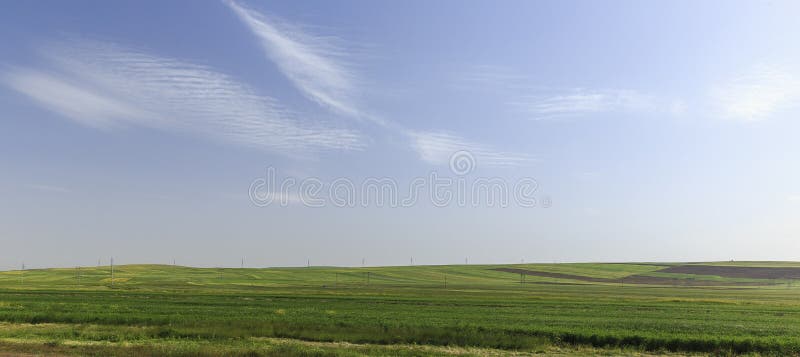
{"x":363,"y":260}
{"x":412,"y":260}
{"x":308,"y":263}
{"x":242,"y":262}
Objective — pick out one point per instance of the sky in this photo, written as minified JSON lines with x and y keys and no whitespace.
{"x":229,"y":133}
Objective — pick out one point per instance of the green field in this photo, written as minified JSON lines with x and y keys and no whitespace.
{"x":592,"y":309}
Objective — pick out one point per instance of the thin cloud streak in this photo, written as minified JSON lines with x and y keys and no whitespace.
{"x":521,"y":95}
{"x":496,"y":77}
{"x":312,"y":63}
{"x":437,"y":147}
{"x":105,"y":85}
{"x":579,"y":102}
{"x":48,"y":188}
{"x":84,"y":105}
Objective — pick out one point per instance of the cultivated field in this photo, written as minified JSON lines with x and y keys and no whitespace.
{"x":722,"y":308}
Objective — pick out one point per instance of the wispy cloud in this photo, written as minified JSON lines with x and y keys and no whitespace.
{"x":437,"y":147}
{"x":106,"y":85}
{"x":314,"y":64}
{"x":494,"y":76}
{"x":87,"y":106}
{"x":530,"y":99}
{"x":48,"y":188}
{"x":321,"y":71}
{"x":579,"y":101}
{"x":756,"y":95}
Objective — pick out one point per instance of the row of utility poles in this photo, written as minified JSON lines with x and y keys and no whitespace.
{"x":367,"y":275}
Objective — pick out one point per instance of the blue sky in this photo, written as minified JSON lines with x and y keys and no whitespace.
{"x":658,"y":130}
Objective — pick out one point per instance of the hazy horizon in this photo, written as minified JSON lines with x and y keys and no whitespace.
{"x":287,"y":132}
{"x":106,"y":263}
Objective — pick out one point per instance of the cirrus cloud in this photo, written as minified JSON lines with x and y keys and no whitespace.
{"x":436,"y":147}
{"x":105,"y":85}
{"x":757,"y":94}
{"x":312,"y":63}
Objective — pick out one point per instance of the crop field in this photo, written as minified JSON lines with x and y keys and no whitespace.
{"x":725,"y":308}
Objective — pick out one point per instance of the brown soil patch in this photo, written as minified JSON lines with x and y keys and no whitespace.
{"x":632,"y":279}
{"x":736,"y":271}
{"x":554,"y":275}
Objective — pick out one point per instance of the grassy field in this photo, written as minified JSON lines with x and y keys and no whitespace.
{"x":418,"y":310}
